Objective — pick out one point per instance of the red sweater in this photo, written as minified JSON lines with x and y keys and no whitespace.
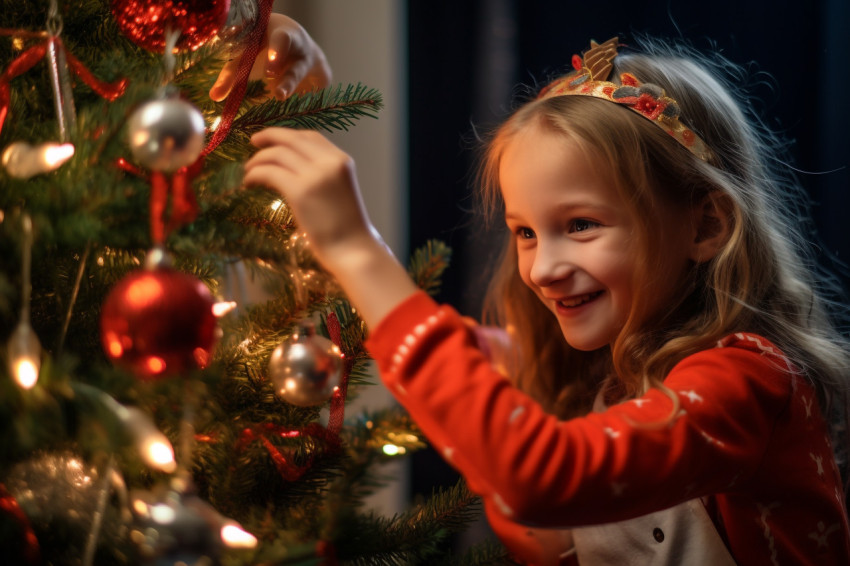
{"x":749,"y":434}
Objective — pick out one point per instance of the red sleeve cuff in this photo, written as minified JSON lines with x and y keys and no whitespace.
{"x":385,"y":338}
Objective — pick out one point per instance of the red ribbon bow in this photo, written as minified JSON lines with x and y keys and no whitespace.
{"x":184,"y":206}
{"x":26,"y":60}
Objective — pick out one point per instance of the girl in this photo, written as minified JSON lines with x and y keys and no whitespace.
{"x":675,"y":370}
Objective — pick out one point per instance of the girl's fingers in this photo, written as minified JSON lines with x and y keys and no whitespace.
{"x":290,"y":79}
{"x":289,"y":137}
{"x":283,"y":156}
{"x":305,"y":144}
{"x":280,"y":43}
{"x":266,"y":175}
{"x":224,"y":83}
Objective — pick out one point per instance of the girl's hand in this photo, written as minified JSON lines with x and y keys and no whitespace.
{"x":498,"y":345}
{"x":290,"y":61}
{"x":318,"y":181}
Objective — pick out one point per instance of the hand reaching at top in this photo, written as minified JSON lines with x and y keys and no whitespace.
{"x":289,"y":62}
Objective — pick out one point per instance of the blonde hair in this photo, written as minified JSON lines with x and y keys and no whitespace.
{"x":763,"y":280}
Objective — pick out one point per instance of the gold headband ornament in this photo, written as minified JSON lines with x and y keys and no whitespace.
{"x":648,"y":100}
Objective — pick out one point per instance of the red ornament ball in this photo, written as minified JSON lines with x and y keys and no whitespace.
{"x":158,"y":322}
{"x":144,"y":22}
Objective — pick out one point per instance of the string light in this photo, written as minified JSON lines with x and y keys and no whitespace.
{"x":234,"y":536}
{"x":26,"y":370}
{"x":24,"y":347}
{"x":153,"y":446}
{"x":393,"y":450}
{"x":223,"y":307}
{"x":23,"y":160}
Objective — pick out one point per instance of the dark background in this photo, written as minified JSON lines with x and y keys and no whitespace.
{"x":466,"y":58}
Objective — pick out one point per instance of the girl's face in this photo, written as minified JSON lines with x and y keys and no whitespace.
{"x":575,"y":238}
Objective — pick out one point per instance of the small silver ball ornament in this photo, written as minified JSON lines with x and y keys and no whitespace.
{"x":175,"y":528}
{"x":166,"y":134}
{"x":305,"y":369}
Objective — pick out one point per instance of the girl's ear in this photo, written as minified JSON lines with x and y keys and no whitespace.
{"x":712,"y":221}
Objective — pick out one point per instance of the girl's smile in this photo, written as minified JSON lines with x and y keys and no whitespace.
{"x":569,"y":304}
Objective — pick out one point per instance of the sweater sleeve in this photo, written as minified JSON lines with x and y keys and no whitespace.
{"x":634,"y":458}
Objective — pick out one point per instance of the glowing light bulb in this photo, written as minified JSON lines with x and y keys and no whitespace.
{"x":235,"y":536}
{"x":154,"y":448}
{"x":55,"y":155}
{"x":159,"y":454}
{"x":24,"y":355}
{"x":393,"y":450}
{"x":222,"y":308}
{"x":162,"y":513}
{"x":26,"y":373}
{"x":23,"y":160}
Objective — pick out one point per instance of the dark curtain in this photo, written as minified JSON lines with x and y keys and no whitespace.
{"x":466,"y":58}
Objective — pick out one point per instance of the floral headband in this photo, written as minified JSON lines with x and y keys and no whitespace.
{"x":648,"y":100}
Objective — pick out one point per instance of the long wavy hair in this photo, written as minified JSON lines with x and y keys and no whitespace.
{"x":764,"y":279}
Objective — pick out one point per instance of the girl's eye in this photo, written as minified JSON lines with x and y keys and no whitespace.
{"x":582,"y":225}
{"x":525,"y":233}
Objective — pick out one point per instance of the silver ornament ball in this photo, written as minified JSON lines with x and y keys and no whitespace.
{"x":166,"y":134}
{"x":59,"y":493}
{"x":175,"y":528}
{"x":305,"y":369}
{"x":55,"y":486}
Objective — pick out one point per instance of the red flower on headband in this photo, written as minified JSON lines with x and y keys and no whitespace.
{"x":577,"y":63}
{"x":649,"y":106}
{"x":643,"y":99}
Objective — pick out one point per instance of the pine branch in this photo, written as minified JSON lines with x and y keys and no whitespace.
{"x":414,"y":537}
{"x":428,"y":263}
{"x":333,"y":108}
{"x":487,"y":553}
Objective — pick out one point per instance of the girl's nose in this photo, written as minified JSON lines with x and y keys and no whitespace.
{"x":550,"y":264}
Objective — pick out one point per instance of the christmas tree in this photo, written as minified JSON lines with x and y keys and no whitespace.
{"x":149,"y":413}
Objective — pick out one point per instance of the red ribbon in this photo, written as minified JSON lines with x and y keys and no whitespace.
{"x":246,"y":62}
{"x":26,"y":60}
{"x":287,"y":470}
{"x":10,"y":506}
{"x":184,"y":206}
{"x":337,"y":411}
{"x":107,"y":91}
